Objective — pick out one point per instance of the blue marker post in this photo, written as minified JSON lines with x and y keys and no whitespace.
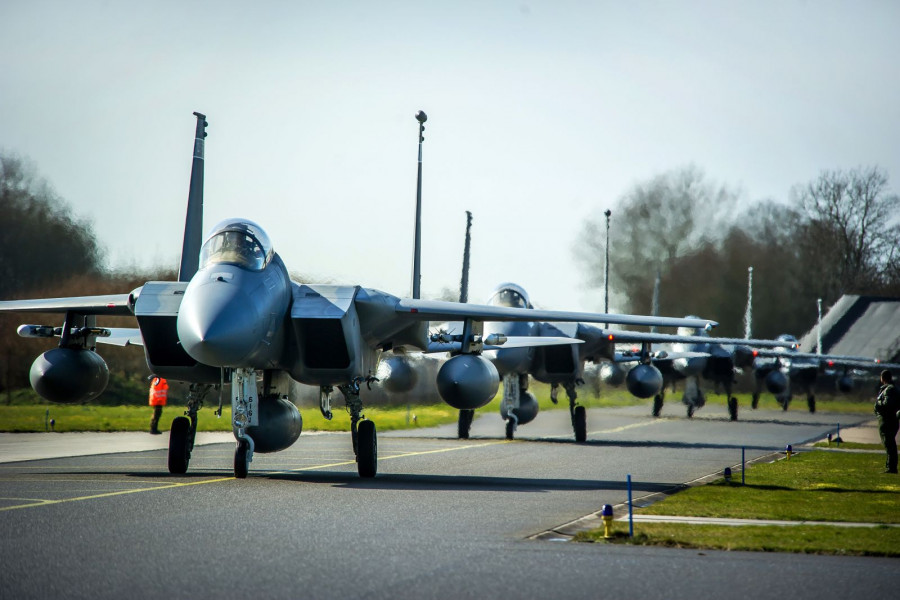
{"x":630,"y":510}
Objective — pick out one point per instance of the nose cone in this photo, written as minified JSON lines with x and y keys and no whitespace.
{"x":218,"y":324}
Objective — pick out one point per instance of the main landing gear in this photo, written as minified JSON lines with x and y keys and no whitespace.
{"x":362,"y":431}
{"x":184,"y":431}
{"x":577,"y":412}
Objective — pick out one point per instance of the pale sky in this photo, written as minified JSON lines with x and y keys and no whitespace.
{"x":540,"y":115}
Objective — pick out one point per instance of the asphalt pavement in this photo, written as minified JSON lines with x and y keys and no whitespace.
{"x":444,"y":518}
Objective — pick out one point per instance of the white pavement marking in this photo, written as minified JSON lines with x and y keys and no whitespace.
{"x":737,"y":522}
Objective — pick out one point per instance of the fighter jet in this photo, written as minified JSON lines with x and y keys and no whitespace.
{"x":787,"y":373}
{"x":563,"y":366}
{"x":234,"y":315}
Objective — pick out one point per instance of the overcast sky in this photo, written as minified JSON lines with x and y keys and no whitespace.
{"x":540,"y":115}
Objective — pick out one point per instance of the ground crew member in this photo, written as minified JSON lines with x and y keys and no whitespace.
{"x":887,"y":406}
{"x":159,"y":390}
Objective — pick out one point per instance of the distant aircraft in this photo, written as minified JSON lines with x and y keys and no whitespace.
{"x":234,"y":315}
{"x":787,"y":371}
{"x":563,"y":365}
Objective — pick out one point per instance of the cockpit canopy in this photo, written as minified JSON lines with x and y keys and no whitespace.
{"x":237,"y":242}
{"x":511,"y":295}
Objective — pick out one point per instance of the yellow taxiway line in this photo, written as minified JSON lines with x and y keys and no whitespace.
{"x":32,"y":502}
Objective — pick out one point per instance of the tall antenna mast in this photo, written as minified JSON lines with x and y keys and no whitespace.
{"x":748,"y":314}
{"x":608,"y":214}
{"x":819,"y":329}
{"x":421,"y":117}
{"x":654,"y":309}
{"x":464,"y":282}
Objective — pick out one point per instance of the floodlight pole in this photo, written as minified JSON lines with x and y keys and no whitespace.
{"x":421,"y":117}
{"x":608,"y":213}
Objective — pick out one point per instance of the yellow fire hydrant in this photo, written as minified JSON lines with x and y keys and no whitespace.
{"x":607,"y":515}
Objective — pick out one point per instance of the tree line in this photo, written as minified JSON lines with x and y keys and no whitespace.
{"x":837,"y":234}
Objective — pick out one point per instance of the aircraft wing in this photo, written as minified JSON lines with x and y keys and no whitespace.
{"x":114,"y":304}
{"x":511,"y":342}
{"x":633,"y":356}
{"x":665,"y":338}
{"x":122,"y":336}
{"x":436,"y":310}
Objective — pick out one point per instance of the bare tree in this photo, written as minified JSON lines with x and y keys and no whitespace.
{"x":853,"y":229}
{"x":657,"y":222}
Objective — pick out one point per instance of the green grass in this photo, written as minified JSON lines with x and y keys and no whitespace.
{"x":26,"y":413}
{"x":811,"y":486}
{"x":850,"y":446}
{"x":808,"y":539}
{"x":137,"y":418}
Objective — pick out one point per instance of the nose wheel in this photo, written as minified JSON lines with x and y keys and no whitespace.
{"x":366,"y":449}
{"x":733,"y":408}
{"x":579,"y":423}
{"x":242,"y":459}
{"x":657,"y":405}
{"x":179,"y":445}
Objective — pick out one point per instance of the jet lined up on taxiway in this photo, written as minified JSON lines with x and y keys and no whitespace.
{"x":235,"y":315}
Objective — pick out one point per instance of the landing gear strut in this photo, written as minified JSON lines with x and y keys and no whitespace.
{"x":658,"y":403}
{"x":362,"y":431}
{"x":465,"y":423}
{"x":184,"y":431}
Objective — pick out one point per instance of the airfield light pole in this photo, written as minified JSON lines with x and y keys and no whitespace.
{"x":819,"y":329}
{"x":608,"y":214}
{"x":421,"y":117}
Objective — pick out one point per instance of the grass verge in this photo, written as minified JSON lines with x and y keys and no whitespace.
{"x":21,"y":419}
{"x":812,"y":486}
{"x":21,"y":416}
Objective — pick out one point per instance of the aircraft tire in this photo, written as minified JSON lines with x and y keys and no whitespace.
{"x":178,"y":445}
{"x":510,"y":429}
{"x":579,"y":423}
{"x":367,"y":444}
{"x":242,"y":459}
{"x":811,"y":402}
{"x":733,"y":408}
{"x":464,"y":423}
{"x":690,"y":411}
{"x":754,"y":404}
{"x":657,"y":405}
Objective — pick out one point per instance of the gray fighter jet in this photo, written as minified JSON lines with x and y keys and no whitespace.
{"x":563,"y":365}
{"x":786,"y":373}
{"x":234,"y":315}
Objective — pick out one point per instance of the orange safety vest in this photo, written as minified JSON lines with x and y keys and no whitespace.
{"x":159,"y":389}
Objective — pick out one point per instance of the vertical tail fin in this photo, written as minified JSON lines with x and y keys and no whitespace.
{"x":193,"y":223}
{"x":748,"y":314}
{"x":421,"y":117}
{"x":464,"y":282}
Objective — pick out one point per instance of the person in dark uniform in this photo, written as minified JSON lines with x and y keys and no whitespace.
{"x":887,"y":406}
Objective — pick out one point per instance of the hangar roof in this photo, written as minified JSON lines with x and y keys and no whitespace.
{"x":859,"y":326}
